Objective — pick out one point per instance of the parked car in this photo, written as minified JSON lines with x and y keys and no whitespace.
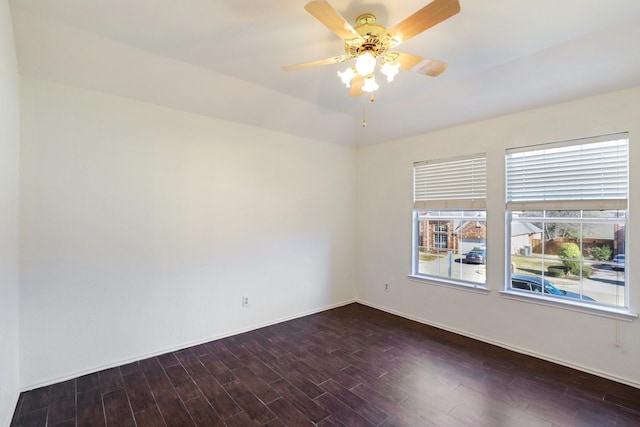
{"x":476,"y":256}
{"x":618,"y":262}
{"x":536,"y":284}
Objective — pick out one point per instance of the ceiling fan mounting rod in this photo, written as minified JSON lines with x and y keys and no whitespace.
{"x":367,"y":26}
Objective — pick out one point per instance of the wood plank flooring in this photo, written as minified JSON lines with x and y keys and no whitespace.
{"x":350,"y":366}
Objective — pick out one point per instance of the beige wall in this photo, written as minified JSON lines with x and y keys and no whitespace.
{"x":584,"y":341}
{"x":143,"y":228}
{"x":9,"y":162}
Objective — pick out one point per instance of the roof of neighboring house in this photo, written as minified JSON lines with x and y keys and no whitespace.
{"x":464,"y":224}
{"x":521,"y":228}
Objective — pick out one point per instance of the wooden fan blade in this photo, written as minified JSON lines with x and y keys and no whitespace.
{"x":420,"y":65}
{"x":330,"y":17}
{"x":327,"y":61}
{"x":356,"y":86}
{"x":430,"y":15}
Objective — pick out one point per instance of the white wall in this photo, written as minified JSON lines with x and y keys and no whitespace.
{"x":385,"y":195}
{"x":142,"y":228}
{"x":9,"y":162}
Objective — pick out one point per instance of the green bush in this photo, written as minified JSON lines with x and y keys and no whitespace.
{"x":586,"y":271}
{"x":602,"y":253}
{"x":557,"y":271}
{"x":569,"y":254}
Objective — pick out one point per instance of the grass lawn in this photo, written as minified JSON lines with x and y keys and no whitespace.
{"x":533,"y":264}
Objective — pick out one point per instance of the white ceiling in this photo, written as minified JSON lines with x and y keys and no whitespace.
{"x":222,"y":58}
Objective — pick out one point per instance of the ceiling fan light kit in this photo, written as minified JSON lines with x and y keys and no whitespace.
{"x":390,"y":70}
{"x":347,"y":75}
{"x":365,"y":63}
{"x":370,"y":84}
{"x":370,"y":44}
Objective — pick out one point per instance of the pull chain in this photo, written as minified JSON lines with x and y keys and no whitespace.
{"x":364,"y":117}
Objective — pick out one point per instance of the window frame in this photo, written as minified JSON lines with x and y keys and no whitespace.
{"x":455,"y":184}
{"x":585,"y":202}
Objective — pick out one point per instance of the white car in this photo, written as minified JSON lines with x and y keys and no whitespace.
{"x":618,"y":262}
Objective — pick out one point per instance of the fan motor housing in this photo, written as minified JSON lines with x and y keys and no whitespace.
{"x":371,"y":32}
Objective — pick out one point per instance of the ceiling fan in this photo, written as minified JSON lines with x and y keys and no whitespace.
{"x":371,"y":44}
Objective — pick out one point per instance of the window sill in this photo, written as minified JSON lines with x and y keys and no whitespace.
{"x":451,"y":284}
{"x":609,"y":312}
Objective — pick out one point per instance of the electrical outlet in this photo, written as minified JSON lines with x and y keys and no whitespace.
{"x":245,"y":301}
{"x":386,"y":287}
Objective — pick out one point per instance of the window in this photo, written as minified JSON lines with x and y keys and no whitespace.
{"x":440,"y":236}
{"x":567,"y":220}
{"x":450,"y":227}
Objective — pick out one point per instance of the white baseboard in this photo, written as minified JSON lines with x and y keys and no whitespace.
{"x":179,"y":347}
{"x":506,"y":346}
{"x":310,"y":312}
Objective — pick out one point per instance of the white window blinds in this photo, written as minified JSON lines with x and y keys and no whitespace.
{"x":582,"y":174}
{"x":454,"y":183}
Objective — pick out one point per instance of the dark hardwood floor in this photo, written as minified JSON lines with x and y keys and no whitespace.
{"x":351,"y":366}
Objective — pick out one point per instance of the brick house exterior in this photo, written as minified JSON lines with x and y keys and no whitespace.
{"x":443,"y":235}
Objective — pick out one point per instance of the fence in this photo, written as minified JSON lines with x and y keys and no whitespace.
{"x":552,"y":246}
